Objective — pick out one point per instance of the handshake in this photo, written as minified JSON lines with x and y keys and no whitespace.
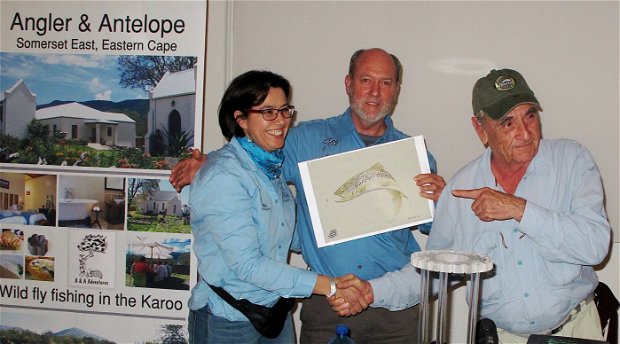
{"x":353,"y":295}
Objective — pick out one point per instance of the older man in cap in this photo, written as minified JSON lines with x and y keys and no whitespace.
{"x":535,"y":206}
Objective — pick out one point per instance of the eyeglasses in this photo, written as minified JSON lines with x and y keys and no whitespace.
{"x":270,"y":114}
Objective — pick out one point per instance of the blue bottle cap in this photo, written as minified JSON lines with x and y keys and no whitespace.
{"x":342,"y":329}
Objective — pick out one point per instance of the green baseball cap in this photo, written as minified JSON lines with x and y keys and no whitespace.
{"x":500,"y":91}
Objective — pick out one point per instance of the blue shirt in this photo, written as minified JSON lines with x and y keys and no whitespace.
{"x":243,"y":225}
{"x":368,"y":257}
{"x":543,"y":264}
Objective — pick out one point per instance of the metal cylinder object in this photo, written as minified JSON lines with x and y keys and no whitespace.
{"x":446,"y":262}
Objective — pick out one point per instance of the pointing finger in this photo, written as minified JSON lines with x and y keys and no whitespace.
{"x":471,"y":194}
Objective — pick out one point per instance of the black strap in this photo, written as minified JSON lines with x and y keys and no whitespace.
{"x":221,"y":292}
{"x":268,"y":321}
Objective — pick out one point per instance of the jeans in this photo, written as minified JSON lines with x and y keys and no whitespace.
{"x":206,"y":328}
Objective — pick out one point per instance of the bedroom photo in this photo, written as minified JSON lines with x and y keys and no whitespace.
{"x":27,"y":199}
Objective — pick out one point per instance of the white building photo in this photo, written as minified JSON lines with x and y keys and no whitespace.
{"x":172,"y":107}
{"x":94,"y":126}
{"x":168,"y":202}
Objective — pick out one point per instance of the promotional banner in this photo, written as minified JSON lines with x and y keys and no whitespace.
{"x":99,"y":100}
{"x":101,"y":84}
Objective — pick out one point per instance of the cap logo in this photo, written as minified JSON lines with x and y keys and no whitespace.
{"x":504,"y":83}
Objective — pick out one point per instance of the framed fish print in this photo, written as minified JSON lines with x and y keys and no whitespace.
{"x":367,"y":191}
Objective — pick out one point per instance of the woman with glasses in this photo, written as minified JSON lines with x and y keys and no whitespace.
{"x":243,"y":216}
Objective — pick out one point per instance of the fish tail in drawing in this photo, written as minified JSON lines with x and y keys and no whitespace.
{"x":374,"y":178}
{"x":397,"y":200}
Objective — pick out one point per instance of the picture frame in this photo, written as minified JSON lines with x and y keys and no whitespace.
{"x":115,"y":183}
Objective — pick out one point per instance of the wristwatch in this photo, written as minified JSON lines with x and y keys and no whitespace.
{"x":332,"y":287}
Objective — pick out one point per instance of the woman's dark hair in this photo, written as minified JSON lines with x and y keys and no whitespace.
{"x":247,"y":90}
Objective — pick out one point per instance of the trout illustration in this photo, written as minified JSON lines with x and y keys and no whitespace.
{"x":372,"y":179}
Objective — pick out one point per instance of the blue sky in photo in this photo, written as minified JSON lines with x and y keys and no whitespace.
{"x":66,"y":77}
{"x":180,"y":244}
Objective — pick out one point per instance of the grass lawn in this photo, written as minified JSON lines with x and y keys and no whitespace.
{"x":153,"y":223}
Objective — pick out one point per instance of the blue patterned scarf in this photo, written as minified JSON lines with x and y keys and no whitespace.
{"x":270,"y":163}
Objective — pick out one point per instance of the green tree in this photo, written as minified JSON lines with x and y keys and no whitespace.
{"x":38,"y":146}
{"x":38,"y":130}
{"x":172,"y":334}
{"x":144,"y":72}
{"x":157,"y":145}
{"x":8,"y":145}
{"x":138,"y":185}
{"x":184,"y":259}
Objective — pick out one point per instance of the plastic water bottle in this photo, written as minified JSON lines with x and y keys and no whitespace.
{"x":342,"y":336}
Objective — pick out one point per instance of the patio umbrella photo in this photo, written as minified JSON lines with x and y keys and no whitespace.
{"x":152,"y":250}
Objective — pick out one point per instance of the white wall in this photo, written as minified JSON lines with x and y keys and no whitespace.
{"x":40,"y":188}
{"x":19,"y":111}
{"x":568,"y":52}
{"x":83,"y":187}
{"x":160,"y":109}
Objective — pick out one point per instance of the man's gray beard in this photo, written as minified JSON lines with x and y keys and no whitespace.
{"x":361,"y":114}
